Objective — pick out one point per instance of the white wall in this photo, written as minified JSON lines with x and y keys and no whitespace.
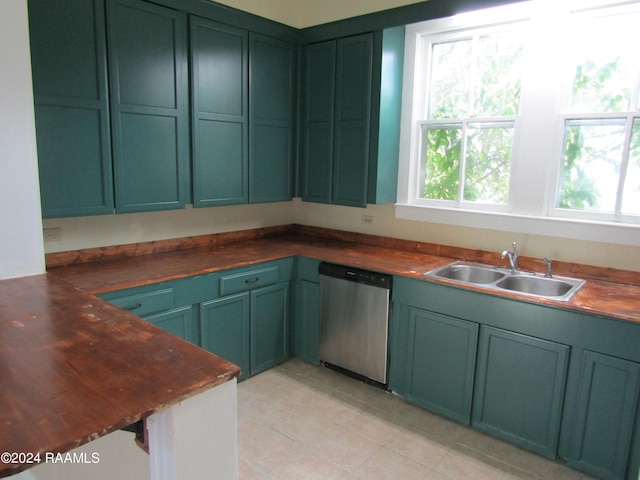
{"x":385,"y":223}
{"x":21,"y":250}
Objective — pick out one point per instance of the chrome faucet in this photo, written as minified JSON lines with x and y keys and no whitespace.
{"x":513,"y":257}
{"x":548,"y":262}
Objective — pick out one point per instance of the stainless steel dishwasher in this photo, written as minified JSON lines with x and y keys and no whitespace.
{"x":354,"y":320}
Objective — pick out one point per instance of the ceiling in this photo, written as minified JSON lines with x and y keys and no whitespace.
{"x":306,"y":13}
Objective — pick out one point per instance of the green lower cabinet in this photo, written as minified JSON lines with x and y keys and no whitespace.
{"x":249,"y":328}
{"x":306,"y":330}
{"x":179,"y":321}
{"x":224,"y":326}
{"x":269,"y":326}
{"x":441,"y":355}
{"x":519,"y":389}
{"x":606,"y":409}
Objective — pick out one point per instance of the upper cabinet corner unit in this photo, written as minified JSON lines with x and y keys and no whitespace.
{"x":115,"y":130}
{"x":243,"y":102}
{"x":351,"y":109}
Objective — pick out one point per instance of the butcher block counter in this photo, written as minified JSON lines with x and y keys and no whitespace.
{"x":103,"y":270}
{"x":74,"y":368}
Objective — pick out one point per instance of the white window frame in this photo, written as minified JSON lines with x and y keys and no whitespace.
{"x":535,"y":165}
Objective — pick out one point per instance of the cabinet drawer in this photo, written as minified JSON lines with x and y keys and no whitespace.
{"x":240,"y":282}
{"x":146,"y":303}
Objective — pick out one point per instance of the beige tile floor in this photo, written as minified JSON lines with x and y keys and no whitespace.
{"x":298,"y":422}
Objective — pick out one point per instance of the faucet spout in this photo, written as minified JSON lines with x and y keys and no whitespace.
{"x":512,"y":256}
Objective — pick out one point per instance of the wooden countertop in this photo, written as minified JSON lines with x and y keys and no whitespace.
{"x":596,"y":297}
{"x":74,"y":368}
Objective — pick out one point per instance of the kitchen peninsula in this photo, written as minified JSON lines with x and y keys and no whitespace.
{"x":75,"y":368}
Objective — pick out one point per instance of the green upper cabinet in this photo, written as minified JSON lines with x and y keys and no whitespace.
{"x":352,"y":120}
{"x":350,"y":155}
{"x":149,"y":105}
{"x":336,"y":138}
{"x":68,"y":55}
{"x":319,"y":100}
{"x":220,"y":113}
{"x":271,"y":119}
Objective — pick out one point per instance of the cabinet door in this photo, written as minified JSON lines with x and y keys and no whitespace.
{"x":352,"y":120}
{"x":269,"y":326}
{"x":179,"y":321}
{"x":68,"y":58}
{"x":271,"y":87}
{"x":319,"y":99}
{"x":307,"y":322}
{"x":520,"y":388}
{"x":441,"y":354}
{"x":607,"y":407}
{"x":224,"y":325}
{"x":149,"y":105}
{"x":219,"y":79}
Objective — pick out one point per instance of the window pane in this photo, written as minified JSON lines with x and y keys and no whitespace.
{"x":591,"y":164}
{"x":442,"y":162}
{"x":631,"y":195}
{"x":450,"y":79}
{"x":606,"y":60}
{"x":478,"y":77}
{"x":497,"y":92}
{"x":488,"y":163}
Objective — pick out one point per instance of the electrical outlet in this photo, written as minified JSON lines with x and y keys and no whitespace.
{"x":367,"y":219}
{"x":52,"y":234}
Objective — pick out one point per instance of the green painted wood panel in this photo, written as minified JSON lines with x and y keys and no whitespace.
{"x":269,"y":326}
{"x":385,"y":115}
{"x":519,"y":389}
{"x":440,"y":368}
{"x":149,"y":105}
{"x":337,"y":117}
{"x":225,"y":329}
{"x":68,"y":58}
{"x":271,"y":118}
{"x":220,"y":113}
{"x":179,"y":321}
{"x":318,"y":107}
{"x":605,"y":414}
{"x":354,"y":56}
{"x":306,"y":325}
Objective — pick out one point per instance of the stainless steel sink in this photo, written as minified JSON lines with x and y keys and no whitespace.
{"x":469,"y":273}
{"x":555,"y":288}
{"x":559,"y":288}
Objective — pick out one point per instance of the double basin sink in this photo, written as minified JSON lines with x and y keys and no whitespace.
{"x":555,"y":288}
